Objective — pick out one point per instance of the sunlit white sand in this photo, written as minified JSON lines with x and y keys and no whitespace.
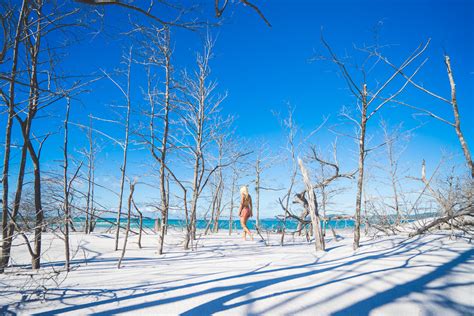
{"x":387,"y":276}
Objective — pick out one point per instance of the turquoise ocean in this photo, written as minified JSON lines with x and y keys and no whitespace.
{"x":271,"y":224}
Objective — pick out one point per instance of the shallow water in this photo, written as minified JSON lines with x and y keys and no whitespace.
{"x":266,"y":224}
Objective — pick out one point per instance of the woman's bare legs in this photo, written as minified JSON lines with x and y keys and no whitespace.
{"x":243,"y":222}
{"x":244,"y":227}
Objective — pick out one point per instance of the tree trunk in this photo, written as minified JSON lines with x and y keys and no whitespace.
{"x":164,"y":143}
{"x":303,"y":215}
{"x":323,"y":206}
{"x":125,"y":152}
{"x":140,"y":230}
{"x":212,"y":207}
{"x":36,"y":259}
{"x":167,"y":202}
{"x":232,"y":192}
{"x":313,"y":209}
{"x":66,"y":191}
{"x":89,"y":180}
{"x":360,"y":179}
{"x":35,"y":157}
{"x":191,"y":230}
{"x":393,"y":177}
{"x":92,"y":218}
{"x":457,"y":121}
{"x":220,"y":191}
{"x":124,"y":248}
{"x":257,"y":195}
{"x":218,"y":215}
{"x":6,"y":244}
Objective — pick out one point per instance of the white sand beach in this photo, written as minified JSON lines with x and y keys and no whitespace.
{"x":426,"y":275}
{"x":350,"y":122}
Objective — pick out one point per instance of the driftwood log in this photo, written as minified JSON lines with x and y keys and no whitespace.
{"x":442,"y":220}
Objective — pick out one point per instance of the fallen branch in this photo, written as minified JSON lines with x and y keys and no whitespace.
{"x":468,"y":211}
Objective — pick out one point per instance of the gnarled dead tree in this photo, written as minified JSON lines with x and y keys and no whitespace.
{"x":157,"y":57}
{"x":455,"y":200}
{"x":309,"y":199}
{"x":125,"y":91}
{"x":313,"y":209}
{"x":127,"y":230}
{"x":199,"y":108}
{"x":263,"y":161}
{"x":152,"y":11}
{"x":41,"y":85}
{"x":9,"y":99}
{"x":452,"y":101}
{"x":368,"y":104}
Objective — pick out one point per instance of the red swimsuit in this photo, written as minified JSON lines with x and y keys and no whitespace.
{"x":245,"y":214}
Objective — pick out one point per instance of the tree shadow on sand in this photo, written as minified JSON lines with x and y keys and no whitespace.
{"x":241,"y":292}
{"x":418,"y":285}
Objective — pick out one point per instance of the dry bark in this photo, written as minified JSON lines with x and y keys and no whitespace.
{"x":457,"y":120}
{"x":125,"y":147}
{"x":127,"y":230}
{"x":10,"y":100}
{"x":66,"y":190}
{"x":360,"y":177}
{"x":313,"y":209}
{"x":445,"y":219}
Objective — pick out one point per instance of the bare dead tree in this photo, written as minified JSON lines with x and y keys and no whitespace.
{"x":66,"y":187}
{"x":291,"y":147}
{"x":235,"y":174}
{"x":35,"y":157}
{"x":309,"y":199}
{"x":258,"y":171}
{"x":153,"y":9}
{"x":5,"y":18}
{"x":453,"y":203}
{"x":457,"y":119}
{"x":89,"y":153}
{"x":445,"y":220}
{"x":387,"y":208}
{"x":214,"y":207}
{"x":151,"y":12}
{"x":90,"y":183}
{"x":393,"y":174}
{"x":199,"y":108}
{"x":93,"y":216}
{"x":394,"y":140}
{"x":328,"y":173}
{"x":127,"y":230}
{"x":33,"y":47}
{"x":158,"y":53}
{"x":452,"y":101}
{"x":313,"y":209}
{"x":226,"y":151}
{"x":262,"y":163}
{"x":125,"y":91}
{"x":36,"y":78}
{"x":9,"y":100}
{"x":369,"y":103}
{"x":140,"y":225}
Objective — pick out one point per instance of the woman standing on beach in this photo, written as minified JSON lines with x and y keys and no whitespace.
{"x":245,"y":210}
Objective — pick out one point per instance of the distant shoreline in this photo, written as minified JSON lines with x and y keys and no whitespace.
{"x":274,"y":225}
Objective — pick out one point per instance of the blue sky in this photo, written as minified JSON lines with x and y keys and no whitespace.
{"x":263,"y":69}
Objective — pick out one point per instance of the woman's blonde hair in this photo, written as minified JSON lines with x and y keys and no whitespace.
{"x":244,"y":191}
